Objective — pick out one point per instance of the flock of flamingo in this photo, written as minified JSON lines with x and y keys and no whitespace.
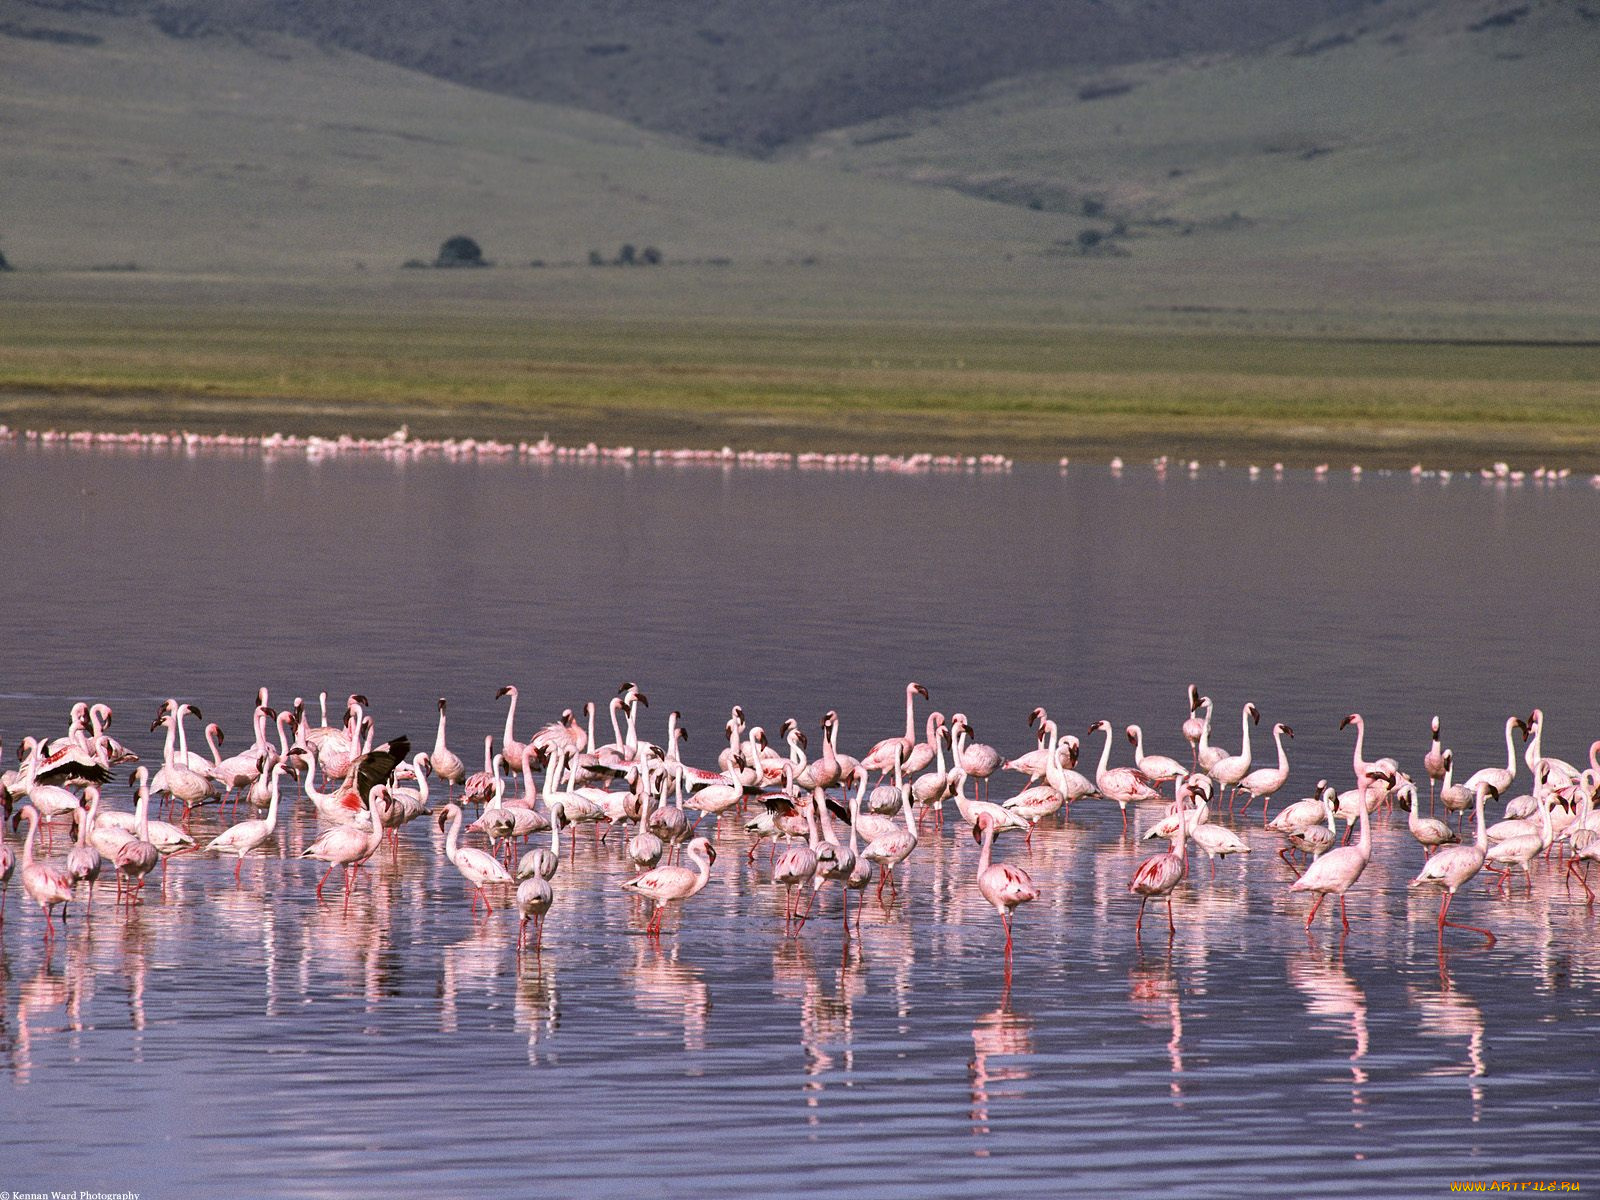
{"x":401,"y":444}
{"x":827,"y":818}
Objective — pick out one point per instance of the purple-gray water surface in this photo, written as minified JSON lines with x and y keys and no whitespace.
{"x":246,"y":1040}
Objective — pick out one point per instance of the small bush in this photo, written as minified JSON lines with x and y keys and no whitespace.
{"x":596,"y":259}
{"x":460,"y":251}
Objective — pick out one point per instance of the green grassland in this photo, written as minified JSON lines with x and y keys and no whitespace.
{"x":1033,"y":391}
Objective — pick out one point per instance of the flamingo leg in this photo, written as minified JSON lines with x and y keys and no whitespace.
{"x":1312,"y":915}
{"x":1444,"y":910}
{"x":1572,"y":869}
{"x":323,"y":880}
{"x":1138,"y":921}
{"x":1006,"y":919}
{"x":1342,"y":917}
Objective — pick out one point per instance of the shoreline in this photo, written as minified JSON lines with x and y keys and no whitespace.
{"x":402,"y":445}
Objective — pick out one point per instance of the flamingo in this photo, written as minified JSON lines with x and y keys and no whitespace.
{"x":1430,"y":832}
{"x":1519,"y":850}
{"x":349,"y":846}
{"x":1158,"y":767}
{"x":1218,"y":842}
{"x":835,"y":861}
{"x":84,"y":862}
{"x":1452,"y":866}
{"x":1456,"y":797}
{"x":1195,"y":726}
{"x":534,"y":898}
{"x":1032,"y":764}
{"x":796,"y":867}
{"x":1207,"y":755}
{"x":895,"y":846}
{"x":480,"y":784}
{"x":1337,"y":870}
{"x":477,"y":867}
{"x":1121,"y":784}
{"x":977,"y":759}
{"x":1364,"y":770}
{"x":8,"y":864}
{"x":881,"y":757}
{"x":447,"y":765}
{"x":1433,"y":762}
{"x":1499,"y":779}
{"x":540,"y":861}
{"x":1003,"y":885}
{"x":1231,"y":769}
{"x":45,"y":883}
{"x":239,"y":840}
{"x":1265,"y":782}
{"x":1069,"y":783}
{"x":511,"y":749}
{"x":138,"y":856}
{"x":666,"y":885}
{"x":1160,"y":874}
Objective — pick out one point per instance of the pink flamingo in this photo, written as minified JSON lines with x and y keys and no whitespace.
{"x":1121,"y":784}
{"x":1160,"y":874}
{"x":1003,"y":885}
{"x":1337,"y":870}
{"x":1452,"y":866}
{"x":138,"y":856}
{"x":881,"y":757}
{"x":664,"y":885}
{"x":349,"y":846}
{"x":46,"y":883}
{"x":1433,"y":762}
{"x":977,"y":759}
{"x":1194,"y":726}
{"x":511,"y":749}
{"x":447,"y":764}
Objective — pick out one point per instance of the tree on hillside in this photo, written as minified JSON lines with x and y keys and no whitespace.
{"x":460,"y":251}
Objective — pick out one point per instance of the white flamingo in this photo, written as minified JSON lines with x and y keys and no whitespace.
{"x":1265,"y":782}
{"x":476,"y":866}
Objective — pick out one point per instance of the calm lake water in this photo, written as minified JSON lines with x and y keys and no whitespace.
{"x":243,"y":1040}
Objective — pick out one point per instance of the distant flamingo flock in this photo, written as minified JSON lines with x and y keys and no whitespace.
{"x":401,"y":444}
{"x":826,"y":817}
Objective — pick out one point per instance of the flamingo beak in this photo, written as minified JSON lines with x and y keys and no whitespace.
{"x":920,"y":690}
{"x":505,"y":691}
{"x":1347,"y":720}
{"x":711,"y":854}
{"x":1287,"y":732}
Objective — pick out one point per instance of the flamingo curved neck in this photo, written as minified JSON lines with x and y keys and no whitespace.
{"x":511,"y":716}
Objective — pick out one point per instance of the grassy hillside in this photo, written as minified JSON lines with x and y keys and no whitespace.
{"x":216,"y":155}
{"x":1426,"y":148}
{"x":750,"y":74}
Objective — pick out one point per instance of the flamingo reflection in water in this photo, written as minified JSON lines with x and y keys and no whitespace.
{"x":1005,"y":1035}
{"x":1154,"y":994}
{"x":1331,"y":993}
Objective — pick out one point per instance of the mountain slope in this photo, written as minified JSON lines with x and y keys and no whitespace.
{"x":1442,"y":140}
{"x":750,"y":74}
{"x":127,"y":145}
